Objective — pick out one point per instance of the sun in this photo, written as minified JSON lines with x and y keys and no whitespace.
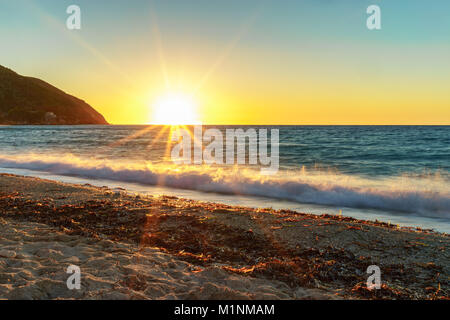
{"x":174,"y":108}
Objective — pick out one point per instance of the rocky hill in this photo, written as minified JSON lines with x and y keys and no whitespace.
{"x":27,"y":100}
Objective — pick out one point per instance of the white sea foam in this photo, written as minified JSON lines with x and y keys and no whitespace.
{"x":427,"y":195}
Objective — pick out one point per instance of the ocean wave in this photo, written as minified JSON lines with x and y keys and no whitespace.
{"x":427,"y":195}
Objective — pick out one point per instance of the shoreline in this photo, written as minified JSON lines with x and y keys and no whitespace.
{"x":205,"y":250}
{"x":401,"y":218}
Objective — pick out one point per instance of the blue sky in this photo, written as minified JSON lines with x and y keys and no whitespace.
{"x":309,"y":44}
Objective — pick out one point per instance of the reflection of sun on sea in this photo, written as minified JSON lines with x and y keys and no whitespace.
{"x":175,"y":108}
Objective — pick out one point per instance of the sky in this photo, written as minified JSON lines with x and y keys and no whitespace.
{"x":242,"y":62}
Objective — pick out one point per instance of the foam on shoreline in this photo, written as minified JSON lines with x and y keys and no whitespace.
{"x":198,"y":250}
{"x":427,"y":196}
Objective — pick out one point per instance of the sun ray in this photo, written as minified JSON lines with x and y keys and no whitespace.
{"x":245,"y":27}
{"x":156,"y":138}
{"x":130,"y":137}
{"x":159,"y":48}
{"x":169,"y":141}
{"x":161,"y":178}
{"x":75,"y":37}
{"x":78,"y":39}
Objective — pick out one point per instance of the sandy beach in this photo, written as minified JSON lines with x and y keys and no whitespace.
{"x":142,"y":247}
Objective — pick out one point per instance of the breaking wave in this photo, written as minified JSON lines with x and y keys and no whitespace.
{"x":426,"y":195}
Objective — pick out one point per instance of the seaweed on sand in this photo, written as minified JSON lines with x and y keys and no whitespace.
{"x":204,"y":234}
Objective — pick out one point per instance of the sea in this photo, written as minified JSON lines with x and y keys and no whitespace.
{"x":395,"y":174}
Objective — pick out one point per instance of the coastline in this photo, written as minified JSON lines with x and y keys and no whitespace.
{"x":144,"y":247}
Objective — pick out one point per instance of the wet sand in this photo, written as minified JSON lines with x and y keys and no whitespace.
{"x":134,"y":247}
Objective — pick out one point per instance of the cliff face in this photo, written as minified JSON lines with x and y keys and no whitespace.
{"x":26,"y":100}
